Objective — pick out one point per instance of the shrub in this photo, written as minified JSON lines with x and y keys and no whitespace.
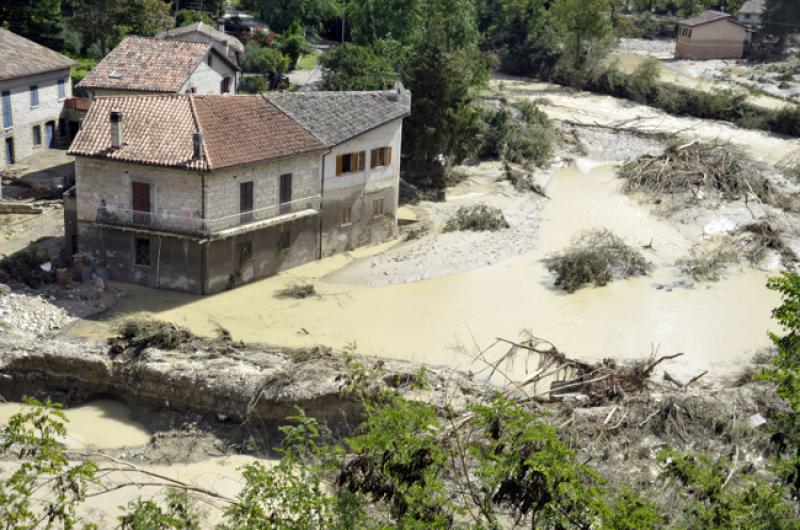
{"x":598,"y":257}
{"x":145,"y":333}
{"x":253,"y":85}
{"x":299,"y":291}
{"x":477,"y":218}
{"x":520,"y":142}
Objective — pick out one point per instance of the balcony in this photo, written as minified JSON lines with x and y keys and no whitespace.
{"x":200,"y":227}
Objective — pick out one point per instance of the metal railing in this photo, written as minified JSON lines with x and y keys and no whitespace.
{"x":197,"y":226}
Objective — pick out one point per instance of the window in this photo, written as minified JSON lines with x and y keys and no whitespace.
{"x":225,"y":85}
{"x":377,"y":207}
{"x":347,"y":216}
{"x":285,"y":241}
{"x":380,"y":157}
{"x":10,"y":151}
{"x":34,"y":96}
{"x":142,"y":252}
{"x":7,"y":118}
{"x":62,"y":90}
{"x":37,"y":135}
{"x":285,"y":190}
{"x":350,"y":163}
{"x":245,"y":252}
{"x":246,"y":202}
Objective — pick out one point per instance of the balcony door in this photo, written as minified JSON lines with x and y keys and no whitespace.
{"x":246,"y":202}
{"x":141,"y":202}
{"x":285,"y":193}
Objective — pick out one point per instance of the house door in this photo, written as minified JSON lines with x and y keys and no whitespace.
{"x":49,"y":133}
{"x":246,"y":202}
{"x":285,"y":193}
{"x":9,"y":151}
{"x":141,"y":202}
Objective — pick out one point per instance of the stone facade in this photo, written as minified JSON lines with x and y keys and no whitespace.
{"x":47,"y":115}
{"x":245,"y":251}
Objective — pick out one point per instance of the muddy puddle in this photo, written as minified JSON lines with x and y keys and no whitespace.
{"x":99,"y":424}
{"x":440,"y":320}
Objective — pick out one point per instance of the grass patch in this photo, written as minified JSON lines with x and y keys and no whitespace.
{"x":298,"y":291}
{"x":308,"y":61}
{"x":476,"y":218}
{"x":140,"y":334}
{"x":595,"y":257}
{"x":82,"y":69}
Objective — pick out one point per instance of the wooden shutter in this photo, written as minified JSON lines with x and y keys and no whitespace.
{"x":339,"y":165}
{"x":373,"y":158}
{"x":387,"y":156}
{"x":141,"y":196}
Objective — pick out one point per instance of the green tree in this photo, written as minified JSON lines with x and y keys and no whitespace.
{"x":280,"y":14}
{"x":586,"y":36}
{"x":37,"y":20}
{"x":292,"y":43}
{"x":781,"y":18}
{"x":184,"y":17}
{"x":354,"y":67}
{"x":371,"y":20}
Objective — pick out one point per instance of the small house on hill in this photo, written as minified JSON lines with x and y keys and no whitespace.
{"x":201,"y":32}
{"x":711,"y":35}
{"x":143,"y":65}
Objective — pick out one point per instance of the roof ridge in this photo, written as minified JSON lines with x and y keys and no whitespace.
{"x":199,"y":127}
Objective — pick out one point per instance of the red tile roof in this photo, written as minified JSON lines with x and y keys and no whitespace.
{"x":148,"y":65}
{"x":157,"y":130}
{"x":21,"y":57}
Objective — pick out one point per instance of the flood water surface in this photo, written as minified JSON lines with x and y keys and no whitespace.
{"x":433,"y":321}
{"x":99,"y":424}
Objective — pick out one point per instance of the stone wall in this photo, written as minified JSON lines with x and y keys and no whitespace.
{"x":25,"y":117}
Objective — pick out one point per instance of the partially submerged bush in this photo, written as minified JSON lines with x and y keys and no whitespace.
{"x":477,"y":218}
{"x":708,"y":264}
{"x":761,"y":237}
{"x":298,"y":291}
{"x":149,"y":333}
{"x":598,"y":257}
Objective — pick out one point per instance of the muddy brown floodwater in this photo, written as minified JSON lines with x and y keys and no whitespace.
{"x":717,"y":325}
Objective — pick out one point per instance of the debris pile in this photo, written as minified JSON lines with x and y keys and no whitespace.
{"x":31,"y":314}
{"x":598,"y":257}
{"x":298,"y":291}
{"x":699,"y":169}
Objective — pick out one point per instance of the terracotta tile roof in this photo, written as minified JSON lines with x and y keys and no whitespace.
{"x":335,"y":117}
{"x":22,"y":57}
{"x":705,"y":17}
{"x":206,"y":30}
{"x":157,"y":130}
{"x":147,"y":64}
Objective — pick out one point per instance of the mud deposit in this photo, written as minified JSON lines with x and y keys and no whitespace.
{"x":440,"y":320}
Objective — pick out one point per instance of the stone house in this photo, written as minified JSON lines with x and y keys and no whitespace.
{"x":229,"y":46}
{"x":203,"y":193}
{"x":751,"y":12}
{"x":711,"y":35}
{"x":144,"y":65}
{"x":34,"y":84}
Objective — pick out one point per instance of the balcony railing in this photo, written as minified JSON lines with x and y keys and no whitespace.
{"x":198,"y":226}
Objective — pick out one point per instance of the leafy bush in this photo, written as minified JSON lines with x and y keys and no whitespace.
{"x":143,"y":333}
{"x":184,"y":17}
{"x":477,"y":218}
{"x":253,"y":84}
{"x":598,"y":257}
{"x":354,"y":67}
{"x":519,"y":141}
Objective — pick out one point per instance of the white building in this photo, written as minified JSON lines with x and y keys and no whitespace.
{"x":751,"y":12}
{"x":143,"y":65}
{"x":34,"y":83}
{"x":200,"y":32}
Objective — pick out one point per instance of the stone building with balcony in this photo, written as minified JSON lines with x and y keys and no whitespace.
{"x":204,"y":193}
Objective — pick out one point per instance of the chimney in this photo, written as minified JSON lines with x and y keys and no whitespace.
{"x":116,"y":129}
{"x":197,"y":146}
{"x":394,"y":94}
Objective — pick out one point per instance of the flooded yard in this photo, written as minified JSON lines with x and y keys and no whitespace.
{"x":440,"y":320}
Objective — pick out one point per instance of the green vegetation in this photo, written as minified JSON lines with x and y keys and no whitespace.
{"x":598,"y":257}
{"x":184,"y":17}
{"x":281,"y":14}
{"x":476,"y":218}
{"x":82,"y":69}
{"x":308,"y":61}
{"x":527,"y":138}
{"x":140,"y":334}
{"x":353,"y":67}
